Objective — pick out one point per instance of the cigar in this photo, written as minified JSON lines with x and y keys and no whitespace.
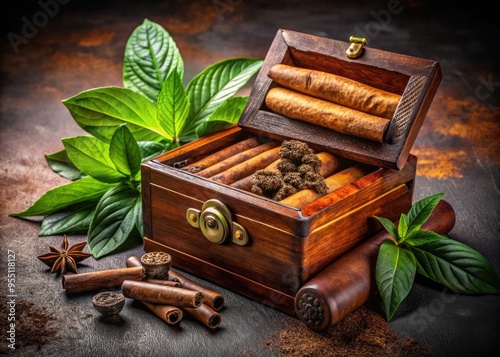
{"x":104,"y":279}
{"x":347,"y":283}
{"x":205,"y":315}
{"x":161,"y":294}
{"x":172,"y":315}
{"x":211,"y":298}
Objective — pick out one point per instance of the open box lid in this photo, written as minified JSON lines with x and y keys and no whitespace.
{"x":415,"y":79}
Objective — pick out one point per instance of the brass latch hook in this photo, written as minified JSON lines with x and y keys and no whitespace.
{"x":356,"y":48}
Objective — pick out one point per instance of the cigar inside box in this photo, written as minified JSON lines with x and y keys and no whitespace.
{"x":229,"y":209}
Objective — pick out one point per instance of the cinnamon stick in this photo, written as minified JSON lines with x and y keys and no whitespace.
{"x":248,"y":167}
{"x":333,"y":182}
{"x":161,"y":294}
{"x":164,"y":282}
{"x":213,"y":299}
{"x":236,"y":159}
{"x":348,"y":282}
{"x":336,"y":89}
{"x":222,"y":155}
{"x":205,"y":315}
{"x":329,"y":115}
{"x":172,"y":315}
{"x":103,"y":279}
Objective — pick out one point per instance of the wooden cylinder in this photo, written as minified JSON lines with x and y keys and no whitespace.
{"x":207,"y":316}
{"x":104,"y":279}
{"x":161,"y":294}
{"x":329,"y":115}
{"x":348,"y":282}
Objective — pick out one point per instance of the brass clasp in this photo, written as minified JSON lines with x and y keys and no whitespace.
{"x":356,"y":48}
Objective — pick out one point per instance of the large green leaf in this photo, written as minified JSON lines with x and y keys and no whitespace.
{"x":226,"y":114}
{"x":60,"y":163}
{"x":125,"y":153}
{"x":457,"y":266}
{"x":114,"y":225}
{"x":421,"y":237}
{"x":72,"y":220}
{"x":395,"y":273}
{"x":150,"y":56}
{"x":421,"y":210}
{"x":173,"y":106}
{"x":100,"y":110}
{"x":150,"y":149}
{"x":390,"y":227}
{"x":211,"y":87}
{"x":86,"y":189}
{"x":91,"y":156}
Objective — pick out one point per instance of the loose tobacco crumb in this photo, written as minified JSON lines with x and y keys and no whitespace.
{"x":298,"y":169}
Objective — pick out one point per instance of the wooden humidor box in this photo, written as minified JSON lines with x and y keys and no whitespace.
{"x":282,"y":247}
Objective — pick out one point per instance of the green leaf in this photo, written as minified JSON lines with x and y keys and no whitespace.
{"x":214,"y":85}
{"x":226,"y":114}
{"x":421,"y":210}
{"x":173,"y":106}
{"x":457,"y":266}
{"x":72,"y":220}
{"x":150,"y":56}
{"x":421,"y":237}
{"x":125,"y":153}
{"x":91,"y":156}
{"x":150,"y":149}
{"x":86,"y":189}
{"x":390,"y":227}
{"x":113,"y":226}
{"x":402,"y":227}
{"x":60,"y":163}
{"x":395,"y":273}
{"x":100,"y":110}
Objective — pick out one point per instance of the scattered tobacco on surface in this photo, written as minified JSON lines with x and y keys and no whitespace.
{"x":437,"y":257}
{"x":152,"y":113}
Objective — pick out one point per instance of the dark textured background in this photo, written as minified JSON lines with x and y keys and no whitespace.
{"x":81,"y":47}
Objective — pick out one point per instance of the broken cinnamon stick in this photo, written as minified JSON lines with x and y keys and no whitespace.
{"x":161,"y":294}
{"x":336,"y":89}
{"x":222,"y":155}
{"x":248,"y":167}
{"x":95,"y":280}
{"x":172,"y":315}
{"x":205,"y":315}
{"x":333,"y":182}
{"x":329,"y":115}
{"x":236,"y":159}
{"x":348,"y":282}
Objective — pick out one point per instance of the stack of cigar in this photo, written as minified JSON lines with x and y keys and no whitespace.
{"x":149,"y":280}
{"x":331,"y":101}
{"x":236,"y":164}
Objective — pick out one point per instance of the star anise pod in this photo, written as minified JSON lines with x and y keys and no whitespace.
{"x":64,"y":258}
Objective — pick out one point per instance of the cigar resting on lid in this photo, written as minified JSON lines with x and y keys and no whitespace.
{"x":348,"y":282}
{"x":336,"y":89}
{"x":329,"y":115}
{"x":104,"y":279}
{"x":236,"y":159}
{"x":205,"y":315}
{"x":221,"y":155}
{"x":161,"y":294}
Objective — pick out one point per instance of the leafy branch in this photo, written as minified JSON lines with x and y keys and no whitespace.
{"x":152,"y":113}
{"x":437,"y":257}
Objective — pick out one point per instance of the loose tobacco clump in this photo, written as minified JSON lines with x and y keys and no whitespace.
{"x":298,"y":169}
